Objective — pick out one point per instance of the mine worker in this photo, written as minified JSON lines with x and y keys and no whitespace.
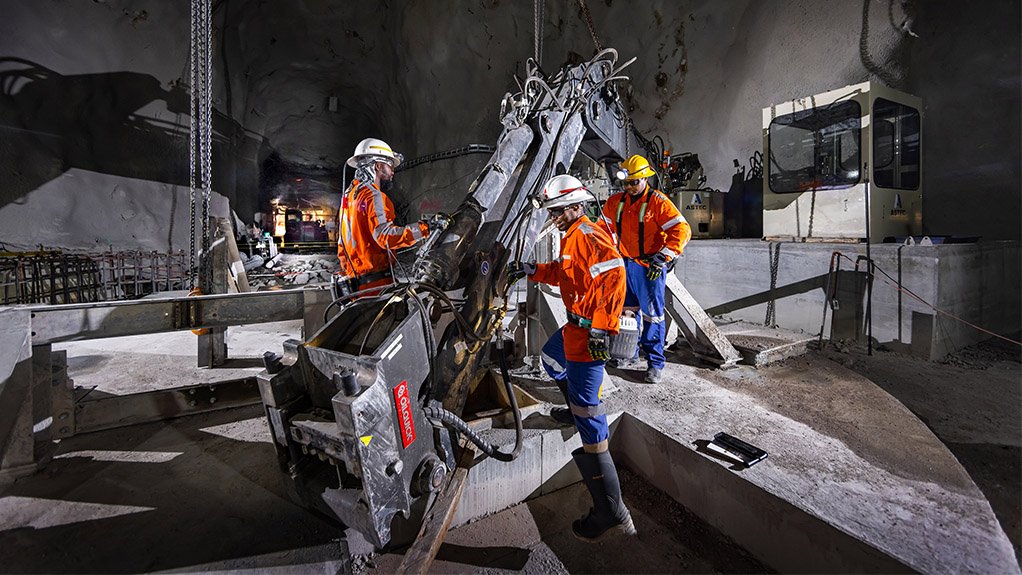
{"x":368,"y":235}
{"x":591,"y":277}
{"x":651,"y":233}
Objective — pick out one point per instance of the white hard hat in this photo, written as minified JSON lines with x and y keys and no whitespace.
{"x":375,"y":149}
{"x":564,"y":190}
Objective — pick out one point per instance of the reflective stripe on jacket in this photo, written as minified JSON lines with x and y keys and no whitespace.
{"x":664,"y":229}
{"x":366,"y":230}
{"x":591,"y":275}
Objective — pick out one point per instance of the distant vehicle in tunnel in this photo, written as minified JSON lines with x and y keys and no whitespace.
{"x":301,"y":227}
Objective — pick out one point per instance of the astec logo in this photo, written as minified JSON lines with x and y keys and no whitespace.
{"x":898,"y":209}
{"x":404,"y":413}
{"x":697,"y":203}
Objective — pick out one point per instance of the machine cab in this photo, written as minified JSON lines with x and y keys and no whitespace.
{"x":817,"y":150}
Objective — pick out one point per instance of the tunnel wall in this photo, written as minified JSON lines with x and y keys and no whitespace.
{"x":94,"y":120}
{"x":102,"y":95}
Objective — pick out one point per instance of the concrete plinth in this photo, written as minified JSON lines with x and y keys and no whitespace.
{"x":977,"y":283}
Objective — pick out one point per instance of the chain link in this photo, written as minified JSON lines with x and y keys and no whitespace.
{"x":205,"y":131}
{"x":200,"y":137}
{"x":192,"y":84}
{"x":812,"y":212}
{"x":775,"y":261}
{"x":538,"y":9}
{"x":589,"y":23}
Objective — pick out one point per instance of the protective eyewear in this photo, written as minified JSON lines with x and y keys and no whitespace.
{"x":556,"y":212}
{"x":630,"y":183}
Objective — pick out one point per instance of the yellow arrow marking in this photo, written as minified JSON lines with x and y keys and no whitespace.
{"x":366,"y":439}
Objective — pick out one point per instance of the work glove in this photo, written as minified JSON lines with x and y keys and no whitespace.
{"x":656,"y":266}
{"x":437,"y":222}
{"x":599,"y":344}
{"x":518,"y":270}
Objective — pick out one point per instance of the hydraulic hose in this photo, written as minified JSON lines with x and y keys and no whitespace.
{"x":450,"y":419}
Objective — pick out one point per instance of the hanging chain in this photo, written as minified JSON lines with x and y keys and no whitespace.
{"x":775,"y":261}
{"x":812,"y":212}
{"x":589,"y":23}
{"x":192,"y":84}
{"x":538,"y":7}
{"x":205,"y":136}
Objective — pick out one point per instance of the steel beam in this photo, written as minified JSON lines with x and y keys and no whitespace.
{"x":701,"y":333}
{"x":137,"y":408}
{"x":75,"y":322}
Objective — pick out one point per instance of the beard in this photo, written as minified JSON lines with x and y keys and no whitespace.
{"x":387,"y":185}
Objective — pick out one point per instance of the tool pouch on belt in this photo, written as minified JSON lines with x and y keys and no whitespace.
{"x":343,"y":286}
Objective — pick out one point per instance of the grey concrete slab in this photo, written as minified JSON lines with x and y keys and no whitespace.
{"x":977,"y":283}
{"x":841,"y":450}
{"x":845,"y":458}
{"x":761,"y":345}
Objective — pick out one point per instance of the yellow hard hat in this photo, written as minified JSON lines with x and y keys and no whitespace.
{"x":637,"y":167}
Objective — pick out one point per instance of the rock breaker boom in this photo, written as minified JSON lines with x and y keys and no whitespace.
{"x":357,"y":412}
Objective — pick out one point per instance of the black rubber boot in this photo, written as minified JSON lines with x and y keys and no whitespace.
{"x":563,"y":415}
{"x":608,"y":515}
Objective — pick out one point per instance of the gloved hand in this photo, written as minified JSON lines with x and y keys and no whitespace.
{"x":599,"y":344}
{"x":518,"y":270}
{"x":656,"y":266}
{"x":438,"y":222}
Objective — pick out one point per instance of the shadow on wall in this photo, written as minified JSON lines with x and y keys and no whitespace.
{"x":50,"y":123}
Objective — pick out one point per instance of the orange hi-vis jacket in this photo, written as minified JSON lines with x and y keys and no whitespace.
{"x":651,"y":215}
{"x":591,"y":275}
{"x":367,"y":232}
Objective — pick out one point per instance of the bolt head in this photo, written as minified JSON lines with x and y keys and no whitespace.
{"x":395,"y":467}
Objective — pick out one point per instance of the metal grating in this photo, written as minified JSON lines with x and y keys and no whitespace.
{"x":51,"y":277}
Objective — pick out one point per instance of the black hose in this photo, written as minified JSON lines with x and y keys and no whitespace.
{"x":452,"y":420}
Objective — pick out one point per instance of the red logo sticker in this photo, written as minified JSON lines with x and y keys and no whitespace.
{"x":404,"y":413}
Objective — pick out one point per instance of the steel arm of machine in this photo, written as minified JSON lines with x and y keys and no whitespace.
{"x":347,"y":408}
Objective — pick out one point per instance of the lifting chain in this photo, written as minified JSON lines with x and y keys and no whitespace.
{"x":538,"y":9}
{"x":812,"y":212}
{"x":775,"y":261}
{"x":589,"y":23}
{"x":200,"y":137}
{"x":192,"y":66}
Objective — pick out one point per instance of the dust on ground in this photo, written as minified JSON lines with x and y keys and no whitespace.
{"x":971,"y":400}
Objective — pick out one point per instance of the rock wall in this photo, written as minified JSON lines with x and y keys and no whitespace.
{"x":96,"y":86}
{"x":94,"y":119}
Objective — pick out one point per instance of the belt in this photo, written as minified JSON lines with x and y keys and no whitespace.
{"x":579,"y":321}
{"x":371,"y":277}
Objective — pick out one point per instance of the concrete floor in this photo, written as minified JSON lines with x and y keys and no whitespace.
{"x":203,"y":493}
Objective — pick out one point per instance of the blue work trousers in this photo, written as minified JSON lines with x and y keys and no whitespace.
{"x":585,"y":385}
{"x":648,"y":296}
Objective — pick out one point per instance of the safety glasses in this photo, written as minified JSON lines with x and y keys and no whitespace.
{"x":556,"y":212}
{"x":630,"y":183}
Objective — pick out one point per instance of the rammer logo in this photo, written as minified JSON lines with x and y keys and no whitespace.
{"x":404,"y":413}
{"x":898,"y":210}
{"x":697,"y":202}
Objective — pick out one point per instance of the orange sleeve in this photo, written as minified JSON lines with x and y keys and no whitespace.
{"x":609,"y":222}
{"x":386,"y":233}
{"x":548,"y":273}
{"x":674,"y":226}
{"x":607,"y":295}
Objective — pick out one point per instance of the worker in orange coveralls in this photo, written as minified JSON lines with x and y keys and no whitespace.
{"x":651,"y":233}
{"x":367,"y":235}
{"x":591,"y":277}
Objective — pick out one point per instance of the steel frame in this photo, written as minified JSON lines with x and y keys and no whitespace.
{"x":30,"y":371}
